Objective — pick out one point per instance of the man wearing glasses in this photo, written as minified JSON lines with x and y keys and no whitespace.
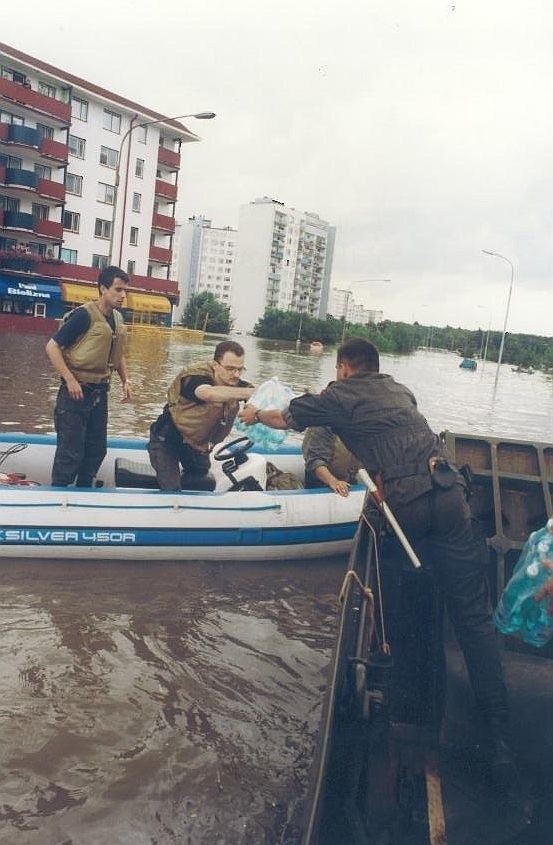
{"x":202,"y":403}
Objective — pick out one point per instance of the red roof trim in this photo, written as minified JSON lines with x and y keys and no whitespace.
{"x":94,"y":89}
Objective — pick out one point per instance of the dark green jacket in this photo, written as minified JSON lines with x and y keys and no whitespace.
{"x":377,"y":419}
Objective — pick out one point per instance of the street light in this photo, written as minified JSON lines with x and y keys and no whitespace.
{"x":202,"y":115}
{"x":502,"y":345}
{"x":348,"y":293}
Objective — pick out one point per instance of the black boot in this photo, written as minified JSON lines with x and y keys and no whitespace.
{"x":503,"y":770}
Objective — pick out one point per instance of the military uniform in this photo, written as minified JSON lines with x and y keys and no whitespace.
{"x":322,"y":448}
{"x":377,"y":419}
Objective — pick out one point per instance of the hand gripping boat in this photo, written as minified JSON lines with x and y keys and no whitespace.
{"x":127,"y":518}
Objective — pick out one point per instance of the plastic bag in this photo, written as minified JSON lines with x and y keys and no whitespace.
{"x":271,"y":395}
{"x":518,"y":612}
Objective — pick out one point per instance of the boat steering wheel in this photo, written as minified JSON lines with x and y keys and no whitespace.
{"x":233,"y":450}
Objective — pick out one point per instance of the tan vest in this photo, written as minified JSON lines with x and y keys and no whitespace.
{"x":201,"y":425}
{"x":99,"y":350}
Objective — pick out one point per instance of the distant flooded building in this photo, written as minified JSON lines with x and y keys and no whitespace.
{"x":62,"y":142}
{"x":283,"y":260}
{"x":342,"y":304}
{"x":203,"y":257}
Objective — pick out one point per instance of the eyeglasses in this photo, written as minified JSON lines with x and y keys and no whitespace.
{"x":228,"y":369}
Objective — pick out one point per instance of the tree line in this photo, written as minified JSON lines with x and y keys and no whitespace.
{"x":203,"y":310}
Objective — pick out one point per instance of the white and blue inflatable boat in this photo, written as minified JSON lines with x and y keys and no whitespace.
{"x":127,"y":518}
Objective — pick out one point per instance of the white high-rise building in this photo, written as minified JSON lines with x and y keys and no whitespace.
{"x":204,"y":259}
{"x":341,"y":303}
{"x":61,"y":138}
{"x":283,"y":260}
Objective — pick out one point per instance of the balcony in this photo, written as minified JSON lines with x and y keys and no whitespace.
{"x":49,"y":229}
{"x":168,"y":158}
{"x":19,"y":220}
{"x":71,"y":272}
{"x":17,"y":177}
{"x":54,"y":150}
{"x":160,"y":254}
{"x":163,"y":222}
{"x":166,"y":190}
{"x":169,"y":287}
{"x":40,"y":103}
{"x":52,"y":190}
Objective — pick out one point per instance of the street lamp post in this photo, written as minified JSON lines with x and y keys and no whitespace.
{"x":348,"y":293}
{"x":502,"y":344}
{"x":203,"y":115}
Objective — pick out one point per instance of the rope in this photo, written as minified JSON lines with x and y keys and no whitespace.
{"x":384,"y":645}
{"x":13,"y":450}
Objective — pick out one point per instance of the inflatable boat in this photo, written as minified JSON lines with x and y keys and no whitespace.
{"x":228,"y":515}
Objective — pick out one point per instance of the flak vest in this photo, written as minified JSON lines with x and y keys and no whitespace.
{"x":201,"y":425}
{"x":99,"y":350}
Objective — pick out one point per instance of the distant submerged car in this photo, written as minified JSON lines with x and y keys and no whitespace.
{"x":468,"y":364}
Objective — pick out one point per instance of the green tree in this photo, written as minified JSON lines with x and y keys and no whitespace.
{"x":203,"y":309}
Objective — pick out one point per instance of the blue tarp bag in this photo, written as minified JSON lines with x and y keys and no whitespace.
{"x":271,"y":395}
{"x":518,"y":612}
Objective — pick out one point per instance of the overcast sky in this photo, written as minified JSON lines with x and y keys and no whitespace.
{"x":421,"y":129}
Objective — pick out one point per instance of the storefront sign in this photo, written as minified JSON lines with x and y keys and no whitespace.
{"x":10,"y":287}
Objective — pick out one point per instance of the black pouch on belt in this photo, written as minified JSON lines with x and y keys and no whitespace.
{"x":444,"y":475}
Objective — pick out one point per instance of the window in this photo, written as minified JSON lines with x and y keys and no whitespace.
{"x":134,"y":235}
{"x":71,"y":221}
{"x":43,"y":171}
{"x":14,"y":75}
{"x":102,"y":228}
{"x":40,"y":212}
{"x":142,"y":133}
{"x":105,"y":193}
{"x":74,"y":184}
{"x":130,"y":267}
{"x":139,"y":168}
{"x":9,"y":203}
{"x":108,"y":157}
{"x":112,"y":121}
{"x":136,"y":201}
{"x":79,"y":108}
{"x":8,"y":117}
{"x":46,"y":131}
{"x":46,"y":89}
{"x":68,"y":255}
{"x":11,"y":161}
{"x":99,"y":261}
{"x":77,"y":146}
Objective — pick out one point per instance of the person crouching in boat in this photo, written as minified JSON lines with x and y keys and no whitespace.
{"x":202,"y":403}
{"x":327,"y":461}
{"x":85,"y":350}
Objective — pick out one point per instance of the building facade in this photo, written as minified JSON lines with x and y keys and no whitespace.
{"x":63,"y":144}
{"x":283,"y":260}
{"x":342,"y":304}
{"x":204,"y":259}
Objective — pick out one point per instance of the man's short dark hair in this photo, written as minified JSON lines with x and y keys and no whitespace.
{"x":228,"y":346}
{"x":109,"y":274}
{"x":360,"y":354}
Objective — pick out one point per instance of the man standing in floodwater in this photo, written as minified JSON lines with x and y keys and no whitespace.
{"x":85,"y":350}
{"x":378,"y":421}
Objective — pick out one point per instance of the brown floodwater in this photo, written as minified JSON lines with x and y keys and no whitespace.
{"x":157,"y":703}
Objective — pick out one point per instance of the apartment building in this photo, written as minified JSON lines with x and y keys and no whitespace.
{"x":342,"y":304}
{"x":64,"y":142}
{"x":283,"y":260}
{"x":204,"y":257}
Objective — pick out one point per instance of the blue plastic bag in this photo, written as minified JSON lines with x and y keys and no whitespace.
{"x":518,"y":612}
{"x":271,"y":395}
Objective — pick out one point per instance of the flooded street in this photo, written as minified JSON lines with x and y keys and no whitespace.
{"x":178,"y":703}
